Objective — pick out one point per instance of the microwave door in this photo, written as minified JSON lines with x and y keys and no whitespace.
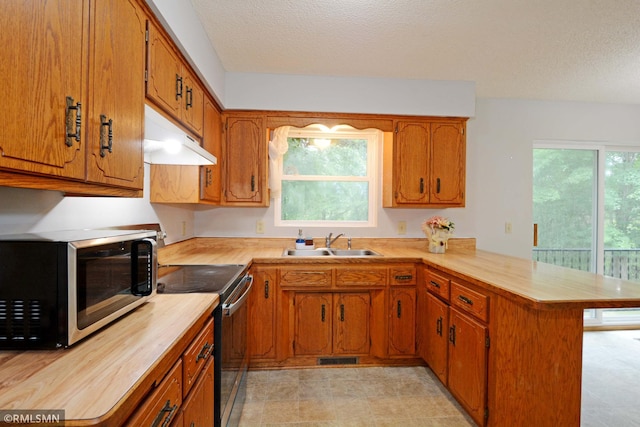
{"x":143,"y":267}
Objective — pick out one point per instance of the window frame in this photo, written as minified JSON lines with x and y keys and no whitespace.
{"x":374,"y":139}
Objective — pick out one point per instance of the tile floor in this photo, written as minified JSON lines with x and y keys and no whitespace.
{"x":413,"y":396}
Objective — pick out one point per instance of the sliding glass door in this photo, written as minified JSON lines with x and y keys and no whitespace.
{"x":586,"y":214}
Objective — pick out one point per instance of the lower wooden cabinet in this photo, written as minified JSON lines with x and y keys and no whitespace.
{"x":402,"y":321}
{"x":331,"y":323}
{"x":185,"y":396}
{"x":454,"y":340}
{"x":467,"y":376}
{"x":263,"y":321}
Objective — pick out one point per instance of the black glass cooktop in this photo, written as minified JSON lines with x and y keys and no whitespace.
{"x":178,"y":279}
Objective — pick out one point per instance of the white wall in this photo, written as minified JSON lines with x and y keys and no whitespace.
{"x":499,"y":170}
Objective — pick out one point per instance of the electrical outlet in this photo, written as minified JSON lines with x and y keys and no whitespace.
{"x":507,"y":227}
{"x":260,"y":227}
{"x":402,"y":227}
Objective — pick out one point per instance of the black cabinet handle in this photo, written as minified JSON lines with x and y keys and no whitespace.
{"x":452,"y":334}
{"x":253,"y":183}
{"x":178,"y":87}
{"x":435,"y":284}
{"x":73,"y":123}
{"x":204,"y":353}
{"x":404,"y":277}
{"x":399,"y":309}
{"x":208,"y":178}
{"x":266,"y":289}
{"x":166,"y":408}
{"x":189,"y":98}
{"x":438,"y":185}
{"x":465,"y":299}
{"x":439,"y":326}
{"x":421,"y":185}
{"x":342,"y":312}
{"x":323,"y":312}
{"x":106,"y":136}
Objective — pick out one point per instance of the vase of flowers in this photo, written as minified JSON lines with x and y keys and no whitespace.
{"x":438,"y":230}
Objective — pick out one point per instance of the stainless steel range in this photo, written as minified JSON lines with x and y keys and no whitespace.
{"x":232,"y":283}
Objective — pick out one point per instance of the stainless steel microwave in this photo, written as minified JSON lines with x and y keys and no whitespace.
{"x":57,"y":288}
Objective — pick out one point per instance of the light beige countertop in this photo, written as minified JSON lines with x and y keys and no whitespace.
{"x":100,"y":380}
{"x":535,"y":284}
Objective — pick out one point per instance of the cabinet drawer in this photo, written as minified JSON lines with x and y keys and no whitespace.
{"x":361,"y":277}
{"x":196,"y":356}
{"x":437,"y":284}
{"x":470,"y":301}
{"x":163,"y":404}
{"x":402,"y":276}
{"x":306,"y":278}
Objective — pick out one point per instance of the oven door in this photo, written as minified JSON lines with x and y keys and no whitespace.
{"x":234,"y":356}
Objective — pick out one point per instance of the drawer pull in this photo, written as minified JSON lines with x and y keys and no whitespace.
{"x":73,"y":123}
{"x":166,"y":408}
{"x":204,"y":353}
{"x":435,"y":284}
{"x":404,"y":277}
{"x":465,"y":300}
{"x":452,"y":334}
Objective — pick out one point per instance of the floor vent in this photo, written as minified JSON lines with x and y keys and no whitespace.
{"x":337,"y":361}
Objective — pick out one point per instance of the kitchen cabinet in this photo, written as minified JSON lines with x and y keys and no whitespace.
{"x":402,"y":321}
{"x":456,"y":340}
{"x":331,"y":324}
{"x":263,"y":313}
{"x":245,"y":161}
{"x":185,"y":394}
{"x":170,"y":83}
{"x":188,"y":183}
{"x":424,"y":165}
{"x":75,"y":119}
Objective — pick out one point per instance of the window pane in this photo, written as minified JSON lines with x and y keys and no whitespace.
{"x":325,"y":201}
{"x":326,"y":157}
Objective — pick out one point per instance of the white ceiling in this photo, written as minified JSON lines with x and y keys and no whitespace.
{"x":580,"y":50}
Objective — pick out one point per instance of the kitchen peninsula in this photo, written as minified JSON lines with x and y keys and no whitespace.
{"x":533,"y":314}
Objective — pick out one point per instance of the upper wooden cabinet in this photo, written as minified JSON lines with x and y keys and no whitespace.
{"x":193,"y":184}
{"x":424,"y":165}
{"x":73,"y":104}
{"x":117,"y":68}
{"x":170,"y":83}
{"x":245,"y":161}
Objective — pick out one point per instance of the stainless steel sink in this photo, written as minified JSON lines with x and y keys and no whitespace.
{"x":331,"y":252}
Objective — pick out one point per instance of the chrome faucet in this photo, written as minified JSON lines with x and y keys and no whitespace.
{"x":329,"y":241}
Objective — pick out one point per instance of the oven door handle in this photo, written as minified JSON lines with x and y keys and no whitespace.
{"x":229,"y":309}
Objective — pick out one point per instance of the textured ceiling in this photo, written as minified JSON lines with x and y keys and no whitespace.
{"x":581,"y":50}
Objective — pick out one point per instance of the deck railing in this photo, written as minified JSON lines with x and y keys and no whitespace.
{"x":620,"y":263}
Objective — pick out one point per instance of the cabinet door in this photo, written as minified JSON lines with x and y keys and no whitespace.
{"x":436,"y":345}
{"x":117,"y":69}
{"x":165,"y":85}
{"x":198,"y":408}
{"x":313,"y":324}
{"x":262,"y":315}
{"x":351,"y":334}
{"x":447,"y":163}
{"x":245,"y":156}
{"x":210,"y":185}
{"x":45,"y":49}
{"x":193,"y":103}
{"x":402,"y":321}
{"x":411,"y":163}
{"x":468,"y":363}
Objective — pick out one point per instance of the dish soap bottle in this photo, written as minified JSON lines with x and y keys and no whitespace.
{"x":300,"y":240}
